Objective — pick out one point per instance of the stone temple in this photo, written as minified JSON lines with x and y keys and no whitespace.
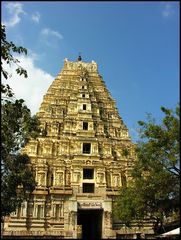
{"x":80,"y":162}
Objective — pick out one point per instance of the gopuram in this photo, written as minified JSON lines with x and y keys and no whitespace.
{"x":80,"y":162}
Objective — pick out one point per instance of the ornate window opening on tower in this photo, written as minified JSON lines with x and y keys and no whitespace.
{"x":85,"y":125}
{"x":84,"y":106}
{"x":88,"y":187}
{"x":88,"y":173}
{"x":87,"y":148}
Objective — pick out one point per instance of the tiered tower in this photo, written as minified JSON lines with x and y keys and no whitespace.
{"x":83,"y":158}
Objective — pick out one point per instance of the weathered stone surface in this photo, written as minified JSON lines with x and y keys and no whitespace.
{"x":79,"y":162}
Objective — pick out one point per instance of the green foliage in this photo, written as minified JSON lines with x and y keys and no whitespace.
{"x":154,"y":189}
{"x":125,"y":152}
{"x":127,"y":205}
{"x":7,"y":51}
{"x":17,"y":126}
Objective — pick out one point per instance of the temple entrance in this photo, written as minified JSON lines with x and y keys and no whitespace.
{"x":91,"y":222}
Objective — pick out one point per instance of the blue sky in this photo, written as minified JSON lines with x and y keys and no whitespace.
{"x":136,"y":46}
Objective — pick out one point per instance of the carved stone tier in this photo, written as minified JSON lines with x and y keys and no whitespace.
{"x":79,"y":159}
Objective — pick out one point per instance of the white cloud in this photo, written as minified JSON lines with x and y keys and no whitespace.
{"x":49,"y":32}
{"x":167,"y":10}
{"x":14,"y":11}
{"x":36,"y":17}
{"x":34,"y":56}
{"x":33,"y":88}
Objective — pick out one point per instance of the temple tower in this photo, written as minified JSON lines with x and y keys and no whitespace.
{"x":79,"y":161}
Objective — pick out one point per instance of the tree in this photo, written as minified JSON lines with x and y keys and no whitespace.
{"x":154,"y":190}
{"x":17,"y":127}
{"x":7,"y":51}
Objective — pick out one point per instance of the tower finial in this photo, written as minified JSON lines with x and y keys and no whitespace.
{"x":79,"y":57}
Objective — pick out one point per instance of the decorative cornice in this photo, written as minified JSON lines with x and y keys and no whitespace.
{"x":80,"y":65}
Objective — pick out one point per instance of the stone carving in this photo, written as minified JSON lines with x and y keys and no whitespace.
{"x":41,"y":178}
{"x":124,"y":133}
{"x":107,"y":218}
{"x":48,"y":129}
{"x":108,"y":178}
{"x":76,"y":176}
{"x":123,"y":178}
{"x":100,"y":177}
{"x":90,"y":67}
{"x":88,"y":162}
{"x":73,"y":216}
{"x":67,"y":177}
{"x":112,"y":132}
{"x":40,"y":149}
{"x":116,"y":181}
{"x":55,"y":128}
{"x":59,"y":178}
{"x":57,"y":211}
{"x":54,"y":149}
{"x":90,"y":204}
{"x":47,"y":147}
{"x":65,"y":62}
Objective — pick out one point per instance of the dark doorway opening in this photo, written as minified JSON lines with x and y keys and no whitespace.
{"x":91,"y":221}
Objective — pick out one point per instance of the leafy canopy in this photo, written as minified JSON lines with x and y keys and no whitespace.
{"x":17,"y":127}
{"x":7,"y":51}
{"x":153,"y":191}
